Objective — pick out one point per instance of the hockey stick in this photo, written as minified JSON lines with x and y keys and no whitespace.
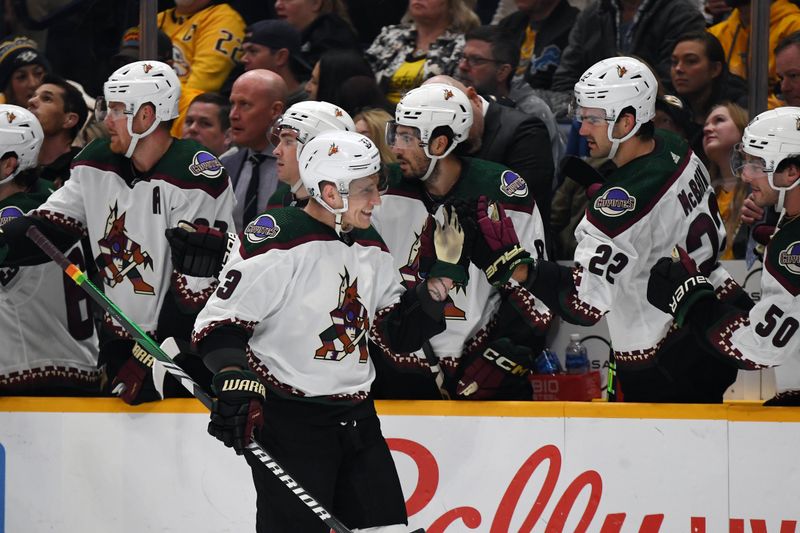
{"x":169,"y":365}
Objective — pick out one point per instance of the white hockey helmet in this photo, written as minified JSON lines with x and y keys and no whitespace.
{"x":770,"y":138}
{"x":20,"y":133}
{"x":311,"y":118}
{"x":615,"y":84}
{"x":429,"y":107}
{"x":338,"y":157}
{"x":143,"y":82}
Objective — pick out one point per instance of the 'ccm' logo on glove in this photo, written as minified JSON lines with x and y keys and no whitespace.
{"x":505,"y":363}
{"x":685,"y":288}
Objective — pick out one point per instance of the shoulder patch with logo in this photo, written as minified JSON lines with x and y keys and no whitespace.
{"x":262,"y":228}
{"x":512,"y":184}
{"x":615,"y":202}
{"x":789,"y":258}
{"x":205,"y":164}
{"x":7,"y":214}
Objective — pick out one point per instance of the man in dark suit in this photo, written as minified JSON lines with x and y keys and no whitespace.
{"x":257,"y":100}
{"x":512,"y":138}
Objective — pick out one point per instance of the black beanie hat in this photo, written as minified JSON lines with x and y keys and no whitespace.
{"x":18,"y":52}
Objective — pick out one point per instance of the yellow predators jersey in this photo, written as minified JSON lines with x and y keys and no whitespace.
{"x":205,"y":45}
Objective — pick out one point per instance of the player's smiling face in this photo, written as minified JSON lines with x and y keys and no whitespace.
{"x":117,"y":123}
{"x":364,"y":196}
{"x":594,"y":128}
{"x":760,"y":191}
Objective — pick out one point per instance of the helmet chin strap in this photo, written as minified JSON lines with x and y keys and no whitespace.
{"x":337,"y":213}
{"x":296,"y":187}
{"x":136,"y":136}
{"x":616,"y":142}
{"x":431,"y":166}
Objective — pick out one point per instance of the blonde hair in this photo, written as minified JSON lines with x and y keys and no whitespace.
{"x":740,"y":118}
{"x":376,"y":120}
{"x":461,"y":13}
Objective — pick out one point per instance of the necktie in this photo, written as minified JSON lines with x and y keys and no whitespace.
{"x":251,"y":196}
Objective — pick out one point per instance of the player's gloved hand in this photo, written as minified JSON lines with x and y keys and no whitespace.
{"x":452,"y":255}
{"x":133,"y":382}
{"x":497,"y":250}
{"x":3,"y":246}
{"x":238,"y":409}
{"x":199,"y":250}
{"x":675,"y":285}
{"x":502,"y":361}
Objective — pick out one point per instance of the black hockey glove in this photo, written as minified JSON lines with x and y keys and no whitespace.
{"x":501,"y":363}
{"x":238,"y":409}
{"x":450,"y":240}
{"x":497,"y":250}
{"x":199,"y":250}
{"x":133,"y":380}
{"x":675,"y":285}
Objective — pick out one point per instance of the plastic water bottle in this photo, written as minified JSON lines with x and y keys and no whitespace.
{"x":576,"y":360}
{"x":547,"y":362}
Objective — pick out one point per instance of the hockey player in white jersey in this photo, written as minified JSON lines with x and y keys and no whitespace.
{"x":495,"y":326}
{"x":768,"y":159}
{"x":123,"y":193}
{"x":49,"y":342}
{"x":657,"y":197}
{"x":200,"y":250}
{"x":286,"y":335}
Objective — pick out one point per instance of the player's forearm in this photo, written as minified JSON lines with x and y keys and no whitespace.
{"x":224,"y":347}
{"x":415,"y":319}
{"x":708,"y":318}
{"x":553,"y":284}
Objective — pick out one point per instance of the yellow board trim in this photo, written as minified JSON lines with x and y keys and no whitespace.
{"x":734,"y":411}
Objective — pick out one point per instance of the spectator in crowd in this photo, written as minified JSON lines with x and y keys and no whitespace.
{"x":208,"y":122}
{"x":257,"y":98}
{"x":22,"y":68}
{"x":275,"y":45}
{"x":62,"y":112}
{"x":361,"y":92}
{"x":701,"y":79}
{"x":334,"y":68}
{"x":787,"y":68}
{"x":513,"y":139}
{"x":541,"y":31}
{"x":49,"y":341}
{"x":487,"y":64}
{"x":426,"y":43}
{"x":722,"y":132}
{"x":372,"y":124}
{"x":206,"y":41}
{"x":323,"y":25}
{"x":734,"y":34}
{"x":647,"y":29}
{"x":672,"y":115}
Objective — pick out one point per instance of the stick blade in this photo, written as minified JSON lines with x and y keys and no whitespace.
{"x":170,"y":347}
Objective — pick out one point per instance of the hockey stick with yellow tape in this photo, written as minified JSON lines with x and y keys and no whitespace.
{"x":162,"y":358}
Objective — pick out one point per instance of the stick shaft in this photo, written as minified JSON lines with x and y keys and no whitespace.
{"x":146,"y":342}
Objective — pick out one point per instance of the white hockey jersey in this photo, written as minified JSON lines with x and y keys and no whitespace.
{"x":309,"y":301}
{"x":645,"y":209}
{"x":47,"y":328}
{"x":400,"y":219}
{"x":125,"y":218}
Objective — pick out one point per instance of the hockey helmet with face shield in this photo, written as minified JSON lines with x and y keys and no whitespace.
{"x":339,"y":157}
{"x":769,"y":139}
{"x":612,"y":85}
{"x":139,"y":83}
{"x":20,"y":134}
{"x":308,"y":119}
{"x":433,"y":108}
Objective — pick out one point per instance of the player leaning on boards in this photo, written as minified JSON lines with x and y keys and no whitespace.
{"x":49,"y":344}
{"x":657,"y":196}
{"x":492,"y":323}
{"x":286,"y":335}
{"x":124,"y":192}
{"x":768,"y":159}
